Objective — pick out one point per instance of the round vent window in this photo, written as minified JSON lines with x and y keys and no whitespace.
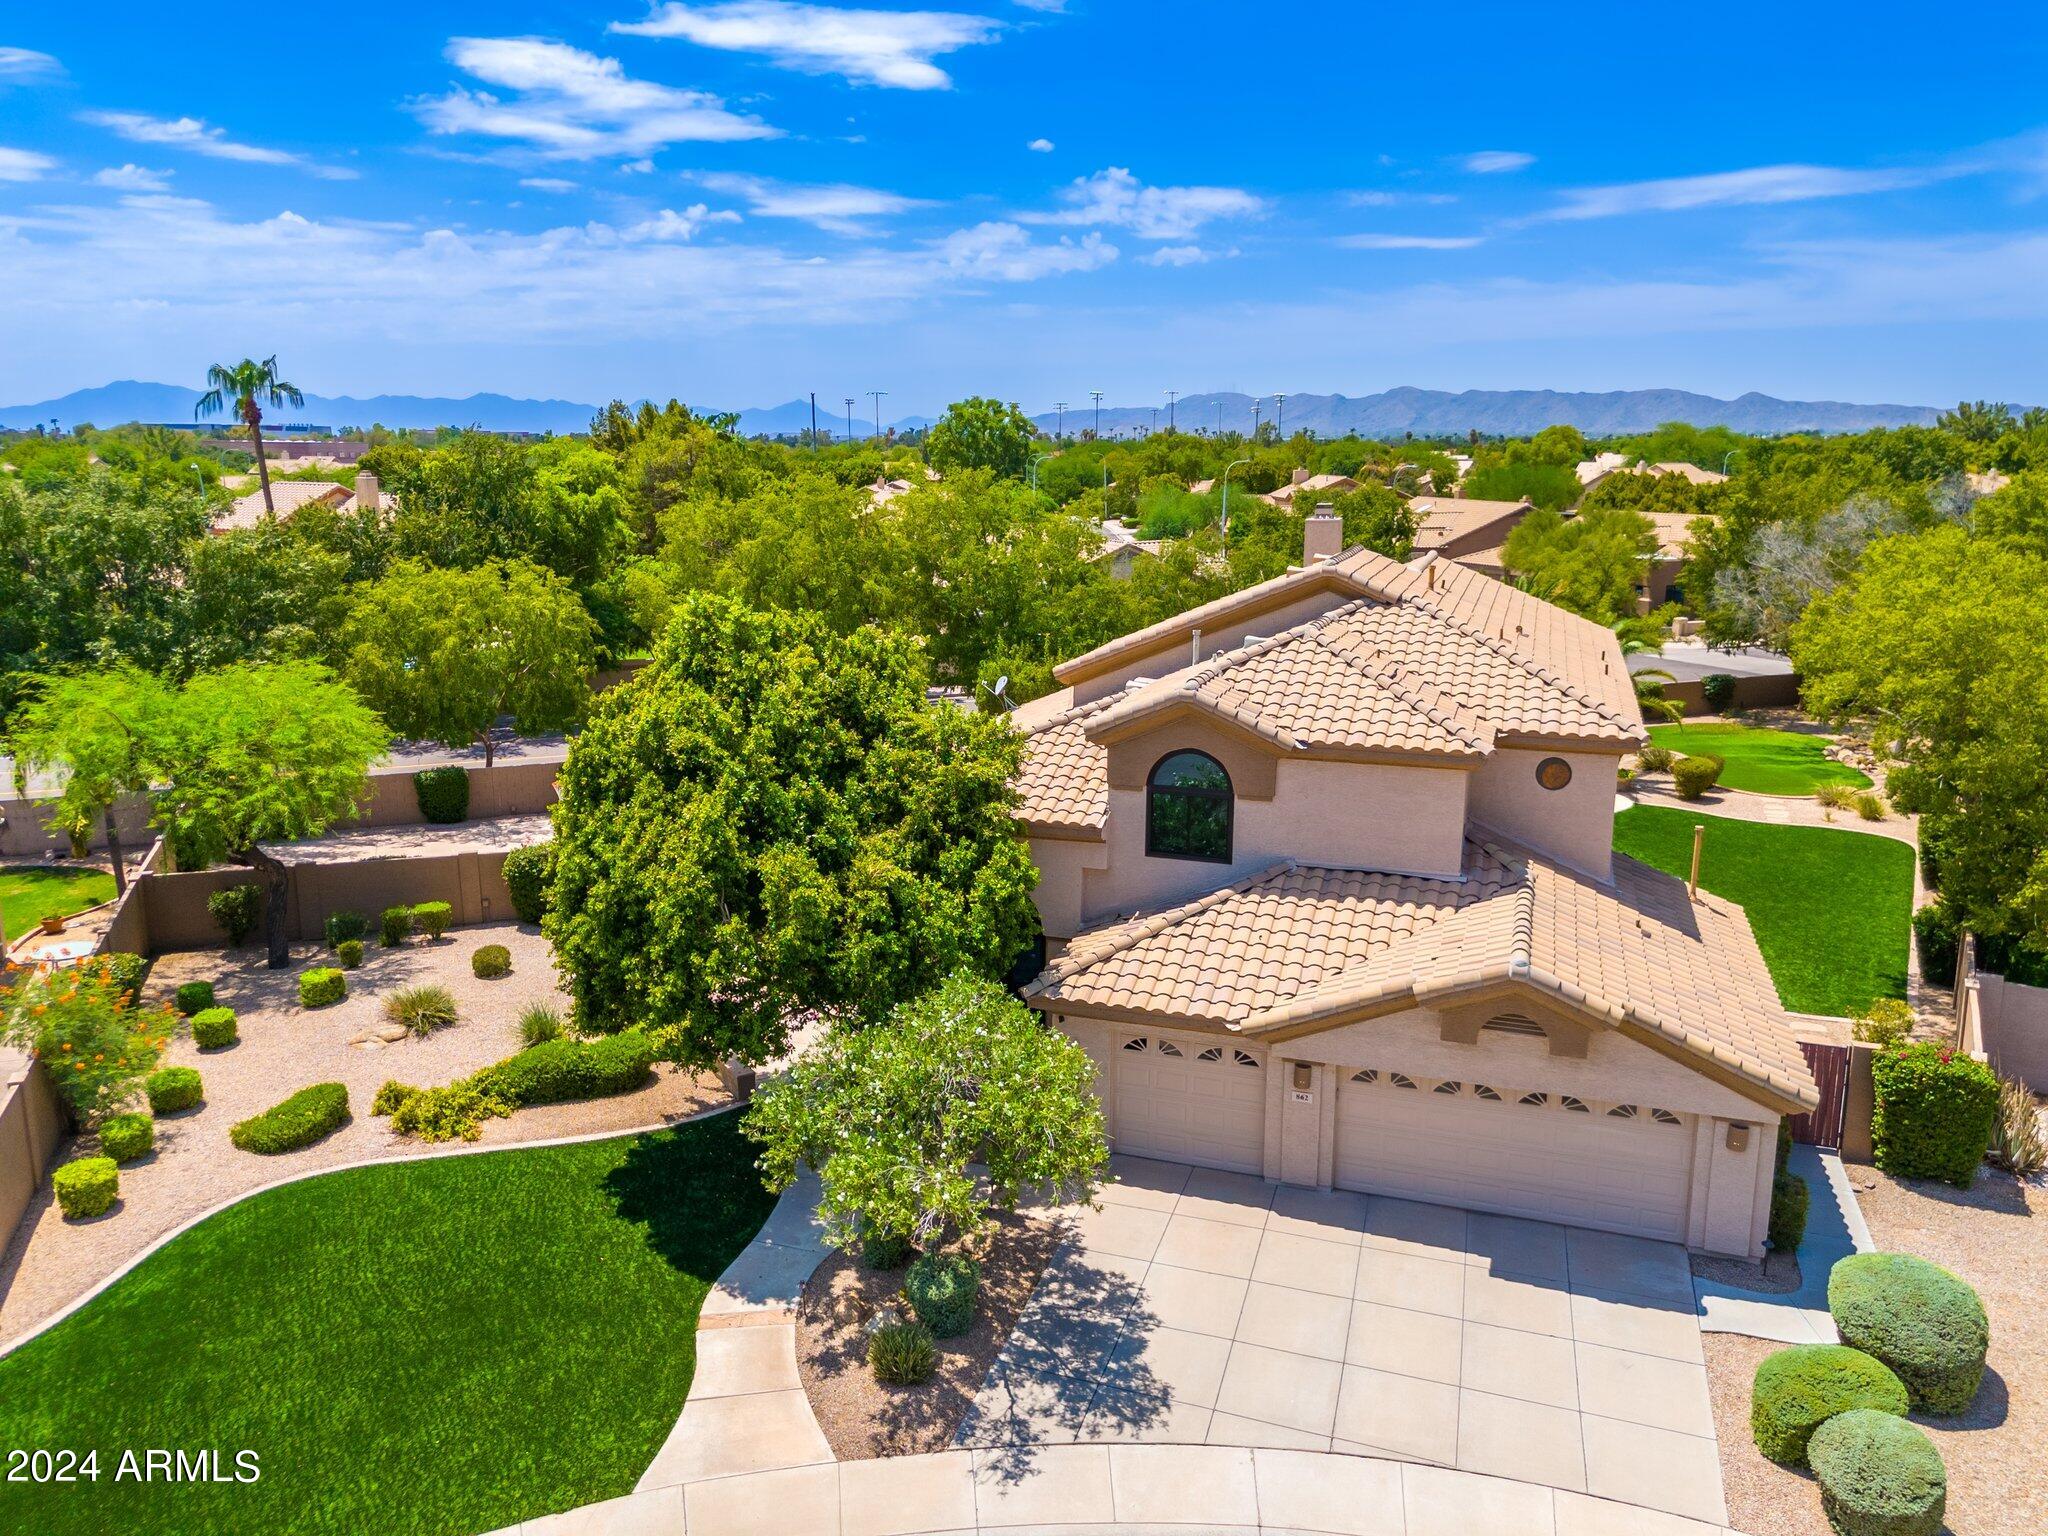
{"x":1553,"y":773}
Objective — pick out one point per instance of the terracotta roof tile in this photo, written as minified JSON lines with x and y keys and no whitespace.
{"x":1063,"y":787}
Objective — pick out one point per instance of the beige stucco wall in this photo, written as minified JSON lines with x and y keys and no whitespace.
{"x":1574,"y":825}
{"x":2008,"y":1024}
{"x":31,"y":1125}
{"x":1061,"y":871}
{"x":1172,"y":656}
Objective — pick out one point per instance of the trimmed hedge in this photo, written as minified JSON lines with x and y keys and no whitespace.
{"x":86,"y":1186}
{"x":940,"y":1288}
{"x":236,"y":909}
{"x":172,"y":1089}
{"x":1878,"y":1476}
{"x":340,"y":927}
{"x":395,"y":926}
{"x":194,"y":997}
{"x":124,"y":1138}
{"x":299,"y":1121}
{"x":1789,"y":1200}
{"x":1799,"y":1389}
{"x":1936,"y":932}
{"x":1717,"y":691}
{"x":902,"y":1354}
{"x":322,"y":987}
{"x":1694,"y":776}
{"x":528,"y":873}
{"x":883,"y":1250}
{"x":350,"y":953}
{"x":1936,"y":1110}
{"x":215,"y":1029}
{"x":558,"y":1071}
{"x":491,"y":962}
{"x":432,"y":918}
{"x":443,"y":794}
{"x":1924,"y":1322}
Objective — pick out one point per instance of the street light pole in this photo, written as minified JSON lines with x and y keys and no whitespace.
{"x":1255,"y":418}
{"x":1172,"y":398}
{"x":1226,"y":495}
{"x":1098,"y":413}
{"x":1059,"y":428}
{"x":1280,"y":414}
{"x":849,"y":418}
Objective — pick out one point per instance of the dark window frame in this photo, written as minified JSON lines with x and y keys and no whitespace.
{"x":1227,"y":795}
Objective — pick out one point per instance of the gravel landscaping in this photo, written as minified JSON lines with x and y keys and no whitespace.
{"x":283,"y":1047}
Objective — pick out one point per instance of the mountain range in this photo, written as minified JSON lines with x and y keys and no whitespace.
{"x":1423,"y":412}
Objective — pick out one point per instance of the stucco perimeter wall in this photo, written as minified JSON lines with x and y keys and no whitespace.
{"x":30,"y":1127}
{"x":25,"y":831}
{"x":1172,"y":656}
{"x":2008,"y":1024}
{"x":1574,"y":825}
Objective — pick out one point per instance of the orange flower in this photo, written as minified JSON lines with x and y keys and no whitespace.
{"x":99,"y":1056}
{"x":67,"y":1045}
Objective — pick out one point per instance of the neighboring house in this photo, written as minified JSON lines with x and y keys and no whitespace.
{"x":1122,"y":548}
{"x":1459,"y":526}
{"x":1592,"y":471}
{"x":882,"y":492}
{"x":1674,"y":545}
{"x":1329,"y":895}
{"x":287,"y":496}
{"x":1315,"y":485}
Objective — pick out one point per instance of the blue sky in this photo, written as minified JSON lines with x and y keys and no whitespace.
{"x":739,"y":201}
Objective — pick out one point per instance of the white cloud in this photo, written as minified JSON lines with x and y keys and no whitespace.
{"x":1041,"y":146}
{"x":1380,"y":199}
{"x":1491,"y":162}
{"x":26,"y":64}
{"x":1006,"y":251}
{"x":132,"y":178}
{"x":1179,"y":256}
{"x":1056,"y":7}
{"x":1409,"y":242}
{"x":670,"y":225}
{"x":1759,"y":184}
{"x":1117,"y":198}
{"x":887,"y":48}
{"x":547,"y":183}
{"x":841,"y":208}
{"x":573,"y":105}
{"x":191,"y":133}
{"x":23,"y":164}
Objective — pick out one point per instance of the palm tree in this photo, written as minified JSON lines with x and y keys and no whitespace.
{"x":241,"y":386}
{"x":1649,"y":681}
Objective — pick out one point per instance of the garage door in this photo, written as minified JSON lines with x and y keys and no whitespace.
{"x":1622,"y":1167}
{"x":1191,"y":1101}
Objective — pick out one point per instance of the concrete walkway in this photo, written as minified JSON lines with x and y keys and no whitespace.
{"x":1834,"y":1229}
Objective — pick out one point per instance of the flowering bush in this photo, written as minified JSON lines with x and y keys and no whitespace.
{"x":96,"y":1044}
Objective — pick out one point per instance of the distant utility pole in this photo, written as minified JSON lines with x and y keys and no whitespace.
{"x":1255,"y":415}
{"x":814,"y":421}
{"x":1155,"y":422}
{"x":876,"y":396}
{"x":1172,"y":398}
{"x":1219,"y":418}
{"x":1280,"y":414}
{"x":849,"y":418}
{"x":1098,"y":413}
{"x":1060,"y":421}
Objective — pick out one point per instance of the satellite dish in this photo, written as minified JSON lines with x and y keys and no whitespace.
{"x":1002,"y":684}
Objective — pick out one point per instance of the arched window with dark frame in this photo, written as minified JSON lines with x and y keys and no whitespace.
{"x":1188,"y":809}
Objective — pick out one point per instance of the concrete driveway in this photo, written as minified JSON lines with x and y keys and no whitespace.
{"x":1206,"y":1307}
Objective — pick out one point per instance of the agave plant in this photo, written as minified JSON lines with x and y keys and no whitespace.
{"x":2017,"y":1142}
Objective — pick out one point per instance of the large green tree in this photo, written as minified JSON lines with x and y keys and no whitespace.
{"x":444,"y":654}
{"x":772,"y":820}
{"x":979,"y":433}
{"x":1591,"y":564}
{"x":245,"y":388}
{"x":94,"y":731}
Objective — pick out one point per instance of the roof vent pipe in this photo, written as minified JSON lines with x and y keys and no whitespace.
{"x":1194,"y":647}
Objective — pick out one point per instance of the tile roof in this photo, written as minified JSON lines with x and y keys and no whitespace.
{"x":1440,"y":519}
{"x":286,"y":495}
{"x":1063,"y":787}
{"x":1674,"y":532}
{"x":1298,"y":946}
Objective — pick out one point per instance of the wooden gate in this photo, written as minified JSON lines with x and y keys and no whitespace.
{"x":1830,"y":1067}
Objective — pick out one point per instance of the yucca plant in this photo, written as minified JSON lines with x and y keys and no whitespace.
{"x":421,"y":1009}
{"x":2017,"y":1144}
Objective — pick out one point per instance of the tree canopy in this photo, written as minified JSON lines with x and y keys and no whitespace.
{"x":1592,"y":564}
{"x":982,"y":434}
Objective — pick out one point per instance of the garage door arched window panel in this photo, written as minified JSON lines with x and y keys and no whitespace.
{"x":1138,"y":1044}
{"x":1189,"y":809}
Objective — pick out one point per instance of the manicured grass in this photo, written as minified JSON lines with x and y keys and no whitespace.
{"x":1829,"y":909}
{"x":428,"y":1348}
{"x":31,"y":892}
{"x":1761,"y":761}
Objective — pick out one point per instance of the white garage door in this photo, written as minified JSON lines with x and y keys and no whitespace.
{"x":1190,"y":1101}
{"x":1622,"y":1167}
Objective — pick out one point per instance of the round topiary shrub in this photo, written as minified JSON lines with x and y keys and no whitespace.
{"x":124,"y":1138}
{"x":1694,"y":776}
{"x":1924,"y":1322}
{"x":528,"y":872}
{"x":1935,"y":1112}
{"x":902,"y":1354}
{"x":940,"y":1288}
{"x":443,"y":794}
{"x":340,"y":927}
{"x":214,"y":1029}
{"x":1878,"y":1475}
{"x":172,"y":1089}
{"x":1799,"y":1389}
{"x":322,"y":987}
{"x":491,"y":962}
{"x":1789,"y":1200}
{"x":432,"y":918}
{"x":194,"y":996}
{"x":395,"y":926}
{"x":350,"y":953}
{"x":1717,"y":691}
{"x":86,"y":1186}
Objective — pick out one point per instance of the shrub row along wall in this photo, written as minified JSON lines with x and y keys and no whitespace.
{"x":1779,"y":690}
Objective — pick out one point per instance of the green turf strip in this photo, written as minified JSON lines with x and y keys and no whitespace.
{"x":1764,"y":762}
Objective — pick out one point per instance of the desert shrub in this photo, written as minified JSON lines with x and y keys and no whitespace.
{"x":322,"y":987}
{"x":192,"y":996}
{"x":237,"y":910}
{"x":1784,"y":1144}
{"x":1836,"y":797}
{"x":1887,"y":1021}
{"x":394,"y":927}
{"x":1939,"y":939}
{"x":173,"y":1089}
{"x":1878,"y":1475}
{"x":558,"y":1071}
{"x":1870,"y":805}
{"x":215,"y":1029}
{"x":1935,"y":1112}
{"x":1624,"y":777}
{"x":391,"y":1096}
{"x":539,"y":1022}
{"x":86,"y":1186}
{"x":432,"y":918}
{"x":340,"y":927}
{"x":1789,"y":1200}
{"x":883,"y":1250}
{"x":125,"y":972}
{"x":902,"y":1354}
{"x":127,"y":1137}
{"x":1694,"y":776}
{"x":1918,"y":1318}
{"x":421,"y":1009}
{"x":491,"y":962}
{"x":528,"y":873}
{"x":95,"y":1044}
{"x":1717,"y":691}
{"x":1655,"y":759}
{"x":1799,"y":1389}
{"x":940,"y":1288}
{"x":444,"y":1114}
{"x":299,"y":1121}
{"x":350,"y":953}
{"x":443,"y":794}
{"x":2016,"y":1142}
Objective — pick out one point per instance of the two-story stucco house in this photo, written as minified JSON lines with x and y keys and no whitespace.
{"x":1329,"y":894}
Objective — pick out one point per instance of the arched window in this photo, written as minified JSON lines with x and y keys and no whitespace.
{"x":1188,"y":809}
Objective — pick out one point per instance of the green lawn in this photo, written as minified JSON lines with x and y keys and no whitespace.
{"x":443,"y":1346}
{"x":1762,"y":761}
{"x":31,"y":892}
{"x":1830,"y":909}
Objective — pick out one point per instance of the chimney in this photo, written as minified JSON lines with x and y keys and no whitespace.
{"x":1322,"y":535}
{"x":368,"y":492}
{"x":1298,"y":476}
